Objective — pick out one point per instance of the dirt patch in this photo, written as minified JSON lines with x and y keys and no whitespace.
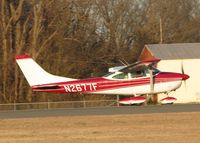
{"x":148,"y":128}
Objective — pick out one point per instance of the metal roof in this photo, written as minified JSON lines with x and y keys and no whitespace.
{"x":175,"y":51}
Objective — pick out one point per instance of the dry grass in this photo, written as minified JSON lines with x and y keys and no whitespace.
{"x":148,"y":128}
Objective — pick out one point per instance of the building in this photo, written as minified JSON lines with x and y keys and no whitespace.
{"x":183,"y":57}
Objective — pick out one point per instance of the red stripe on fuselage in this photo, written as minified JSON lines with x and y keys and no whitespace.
{"x":100,"y":84}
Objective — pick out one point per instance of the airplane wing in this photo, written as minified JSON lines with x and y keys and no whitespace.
{"x":140,"y":65}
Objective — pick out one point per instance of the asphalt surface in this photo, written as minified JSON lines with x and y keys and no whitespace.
{"x":102,"y":111}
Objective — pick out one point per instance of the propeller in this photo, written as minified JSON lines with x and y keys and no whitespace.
{"x":182,"y":71}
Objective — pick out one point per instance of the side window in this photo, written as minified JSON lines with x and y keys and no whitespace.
{"x":121,"y":76}
{"x":135,"y":74}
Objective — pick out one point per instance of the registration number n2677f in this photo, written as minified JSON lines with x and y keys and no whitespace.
{"x":80,"y":87}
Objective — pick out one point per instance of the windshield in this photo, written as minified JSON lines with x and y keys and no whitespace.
{"x":155,"y":70}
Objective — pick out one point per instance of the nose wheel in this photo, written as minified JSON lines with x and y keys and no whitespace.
{"x":168,"y":100}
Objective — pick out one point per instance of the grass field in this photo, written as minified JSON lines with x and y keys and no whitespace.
{"x":147,"y":128}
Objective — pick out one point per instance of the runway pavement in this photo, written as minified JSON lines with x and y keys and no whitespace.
{"x":102,"y":111}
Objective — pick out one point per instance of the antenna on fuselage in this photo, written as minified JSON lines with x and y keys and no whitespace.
{"x":124,"y":62}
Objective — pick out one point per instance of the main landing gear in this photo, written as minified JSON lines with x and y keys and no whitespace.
{"x":132,"y":100}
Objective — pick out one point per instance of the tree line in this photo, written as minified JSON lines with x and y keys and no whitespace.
{"x":83,"y":38}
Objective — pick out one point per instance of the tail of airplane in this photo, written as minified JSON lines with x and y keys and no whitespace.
{"x":34,"y":74}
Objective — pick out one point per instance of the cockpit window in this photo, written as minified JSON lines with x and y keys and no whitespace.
{"x":132,"y":74}
{"x":121,"y":76}
{"x":140,"y":73}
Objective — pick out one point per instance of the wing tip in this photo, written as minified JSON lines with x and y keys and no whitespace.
{"x":24,"y":56}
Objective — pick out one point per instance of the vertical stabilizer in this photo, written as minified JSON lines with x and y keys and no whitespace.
{"x":34,"y":74}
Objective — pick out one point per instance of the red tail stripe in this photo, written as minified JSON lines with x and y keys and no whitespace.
{"x":25,"y":56}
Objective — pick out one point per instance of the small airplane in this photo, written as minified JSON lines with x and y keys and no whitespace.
{"x":134,"y":80}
